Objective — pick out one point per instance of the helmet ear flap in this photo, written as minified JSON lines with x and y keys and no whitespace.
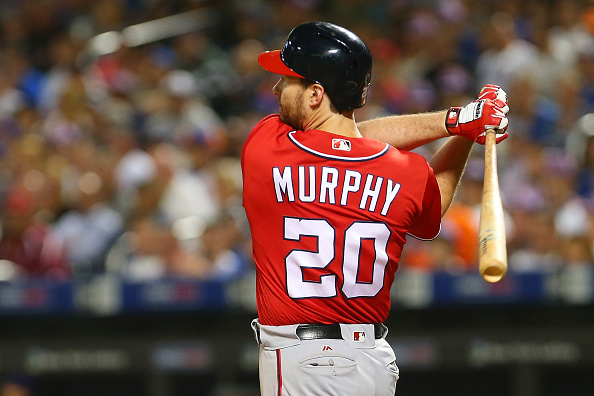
{"x":349,"y":87}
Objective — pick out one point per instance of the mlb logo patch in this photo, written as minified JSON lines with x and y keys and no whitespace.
{"x":341,"y":144}
{"x":359,"y":336}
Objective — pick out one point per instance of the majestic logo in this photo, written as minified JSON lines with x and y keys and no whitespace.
{"x":341,"y":144}
{"x":359,"y":336}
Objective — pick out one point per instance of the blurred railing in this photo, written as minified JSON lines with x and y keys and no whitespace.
{"x":111,"y":295}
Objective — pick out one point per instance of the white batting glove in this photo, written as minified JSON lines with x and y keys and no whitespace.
{"x":488,"y":112}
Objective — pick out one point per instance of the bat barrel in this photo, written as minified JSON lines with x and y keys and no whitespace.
{"x":492,"y":241}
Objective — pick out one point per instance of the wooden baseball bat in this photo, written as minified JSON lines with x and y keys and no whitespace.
{"x":492,"y":242}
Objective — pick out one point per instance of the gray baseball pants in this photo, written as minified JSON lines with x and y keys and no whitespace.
{"x":356,"y":365}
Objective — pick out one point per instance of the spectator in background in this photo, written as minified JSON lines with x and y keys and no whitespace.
{"x":30,"y":243}
{"x":72,"y":119}
{"x":198,"y":132}
{"x":215,"y":78}
{"x":191,"y":190}
{"x":437,"y":255}
{"x":148,"y":246}
{"x":539,"y":247}
{"x":12,"y":99}
{"x":227,"y":174}
{"x":134,"y":167}
{"x":506,"y":56}
{"x":22,"y":74}
{"x":569,"y":35}
{"x":577,"y":251}
{"x":580,"y":146}
{"x":63,"y":53}
{"x":548,"y":73}
{"x":91,"y":227}
{"x":146,"y":251}
{"x":585,"y":84}
{"x":218,"y":256}
{"x":520,"y":178}
{"x":569,"y":208}
{"x":551,"y":82}
{"x":10,"y":133}
{"x":191,"y":111}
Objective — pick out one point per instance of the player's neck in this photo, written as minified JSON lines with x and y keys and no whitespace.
{"x":338,"y":123}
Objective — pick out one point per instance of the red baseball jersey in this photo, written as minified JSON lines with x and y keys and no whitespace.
{"x":329,"y":217}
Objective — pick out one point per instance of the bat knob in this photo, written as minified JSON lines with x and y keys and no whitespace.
{"x":494,"y":272}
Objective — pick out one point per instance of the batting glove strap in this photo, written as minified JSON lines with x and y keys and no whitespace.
{"x":452,"y":119}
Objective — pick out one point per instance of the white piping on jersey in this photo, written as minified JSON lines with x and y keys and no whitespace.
{"x":337,"y":157}
{"x":426,"y":239}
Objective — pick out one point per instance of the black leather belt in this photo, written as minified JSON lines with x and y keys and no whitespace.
{"x":331,"y":331}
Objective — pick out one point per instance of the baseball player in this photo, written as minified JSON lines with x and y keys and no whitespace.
{"x":329,"y":211}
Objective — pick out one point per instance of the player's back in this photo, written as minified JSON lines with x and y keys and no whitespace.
{"x":329,"y":217}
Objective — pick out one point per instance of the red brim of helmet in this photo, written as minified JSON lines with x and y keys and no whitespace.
{"x":271,"y":61}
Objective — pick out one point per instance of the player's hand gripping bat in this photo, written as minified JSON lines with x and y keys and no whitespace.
{"x":492,"y":242}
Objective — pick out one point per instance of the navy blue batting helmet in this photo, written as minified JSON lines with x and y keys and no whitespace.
{"x":328,"y":54}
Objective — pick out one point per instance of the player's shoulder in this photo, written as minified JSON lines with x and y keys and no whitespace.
{"x":271,"y":123}
{"x":408,"y":156}
{"x":415,"y":163}
{"x":270,"y":119}
{"x":265,"y":132}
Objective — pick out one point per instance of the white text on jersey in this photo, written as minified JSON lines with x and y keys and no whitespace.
{"x":328,"y":178}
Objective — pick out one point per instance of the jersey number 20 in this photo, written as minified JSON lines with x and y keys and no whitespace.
{"x":296,"y":260}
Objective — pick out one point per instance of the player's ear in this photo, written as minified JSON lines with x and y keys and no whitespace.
{"x":316,"y":94}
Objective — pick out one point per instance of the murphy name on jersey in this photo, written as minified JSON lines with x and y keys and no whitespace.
{"x":326,"y":185}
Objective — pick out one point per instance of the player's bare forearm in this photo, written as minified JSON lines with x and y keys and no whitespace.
{"x":448,"y":163}
{"x":406,"y":132}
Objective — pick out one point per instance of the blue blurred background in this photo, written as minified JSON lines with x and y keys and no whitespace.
{"x":125,"y":261}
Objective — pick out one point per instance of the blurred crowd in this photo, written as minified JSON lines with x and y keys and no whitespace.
{"x":127,"y":161}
